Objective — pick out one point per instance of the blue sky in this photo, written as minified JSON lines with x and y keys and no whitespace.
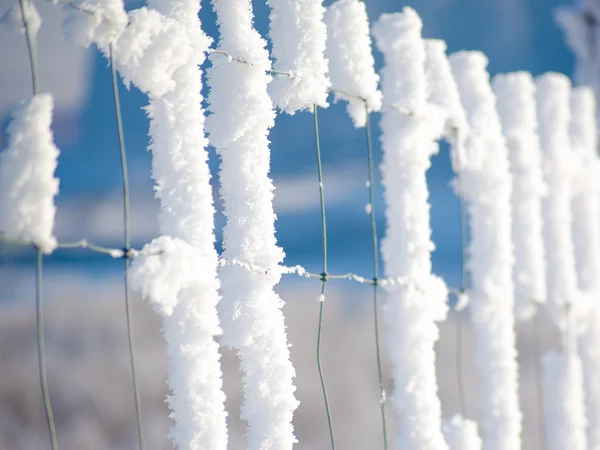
{"x":515,"y":35}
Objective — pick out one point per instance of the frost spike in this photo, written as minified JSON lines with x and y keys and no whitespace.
{"x":517,"y":110}
{"x":461,"y":434}
{"x":250,"y":312}
{"x":411,"y":309}
{"x":487,"y":189}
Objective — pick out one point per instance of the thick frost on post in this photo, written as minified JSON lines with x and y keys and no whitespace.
{"x":351,"y":63}
{"x":563,"y":398}
{"x":27,"y":182}
{"x":517,"y":109}
{"x":250,"y":311}
{"x":553,"y":97}
{"x":586,"y":236}
{"x":443,"y":92}
{"x":487,"y":189}
{"x":412,"y":309}
{"x":161,"y":55}
{"x":298,"y":34}
{"x":461,"y":434}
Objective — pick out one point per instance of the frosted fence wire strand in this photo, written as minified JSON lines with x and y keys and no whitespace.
{"x":375,"y":274}
{"x":39,"y":278}
{"x":323,"y":275}
{"x":126,"y":259}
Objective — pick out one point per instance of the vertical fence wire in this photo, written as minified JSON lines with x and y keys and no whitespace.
{"x":127,"y":249}
{"x":463,"y":287}
{"x":375,"y":274}
{"x":323,"y":275}
{"x":39,"y":264}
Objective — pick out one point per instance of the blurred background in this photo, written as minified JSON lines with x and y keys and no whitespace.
{"x":88,"y":359}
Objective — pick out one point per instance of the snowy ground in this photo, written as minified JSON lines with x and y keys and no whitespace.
{"x":89,"y":377}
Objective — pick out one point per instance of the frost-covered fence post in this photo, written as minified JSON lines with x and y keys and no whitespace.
{"x":298,"y":35}
{"x":517,"y":110}
{"x":563,"y":379}
{"x":586,"y":236}
{"x":161,"y":55}
{"x":351,"y":62}
{"x":250,"y":312}
{"x":563,"y":391}
{"x":487,"y":189}
{"x":412,"y":307}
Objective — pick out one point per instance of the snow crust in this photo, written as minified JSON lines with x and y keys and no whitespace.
{"x":410,"y":310}
{"x":563,"y":398}
{"x":461,"y":434}
{"x":298,"y":34}
{"x":517,"y":109}
{"x":487,"y":189}
{"x":351,"y":62}
{"x":565,"y":304}
{"x":27,"y":182}
{"x":250,"y":310}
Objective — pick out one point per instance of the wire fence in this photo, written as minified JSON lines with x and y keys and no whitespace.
{"x":127,"y":253}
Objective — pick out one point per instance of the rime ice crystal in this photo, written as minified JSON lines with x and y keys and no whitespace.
{"x":13,"y":18}
{"x":563,"y":397}
{"x":27,"y":182}
{"x":487,"y":189}
{"x":410,"y":310}
{"x":351,"y":63}
{"x":250,"y":311}
{"x":517,"y":110}
{"x":299,"y":35}
{"x":461,"y":434}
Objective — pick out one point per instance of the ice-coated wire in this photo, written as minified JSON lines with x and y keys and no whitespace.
{"x":375,"y":274}
{"x":126,"y":255}
{"x":323,"y":276}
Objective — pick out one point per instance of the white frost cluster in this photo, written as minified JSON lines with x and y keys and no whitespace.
{"x":410,"y":310}
{"x":487,"y":188}
{"x":351,"y":62}
{"x":298,"y":34}
{"x":161,"y":52}
{"x":517,"y":109}
{"x":563,"y":398}
{"x":553,"y":105}
{"x":103,"y":27}
{"x":461,"y":434}
{"x":586,"y":236}
{"x":27,"y":182}
{"x":443,"y":92}
{"x":250,"y":311}
{"x":13,"y":18}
